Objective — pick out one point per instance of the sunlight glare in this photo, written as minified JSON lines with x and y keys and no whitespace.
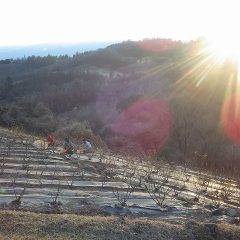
{"x":224,"y":46}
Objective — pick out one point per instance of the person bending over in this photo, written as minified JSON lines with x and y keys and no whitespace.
{"x":87,"y":148}
{"x":67,"y":147}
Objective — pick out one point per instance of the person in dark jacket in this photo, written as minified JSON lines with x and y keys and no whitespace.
{"x":67,"y":147}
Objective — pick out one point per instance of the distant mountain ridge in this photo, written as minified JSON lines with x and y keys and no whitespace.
{"x":14,"y":52}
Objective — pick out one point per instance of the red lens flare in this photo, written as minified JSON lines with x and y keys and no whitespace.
{"x":146,"y":122}
{"x":230,"y":118}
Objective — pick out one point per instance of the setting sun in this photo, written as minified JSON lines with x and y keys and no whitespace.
{"x":225,"y":47}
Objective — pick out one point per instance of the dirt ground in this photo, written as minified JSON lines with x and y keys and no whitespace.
{"x":26,"y":225}
{"x":44,"y":196}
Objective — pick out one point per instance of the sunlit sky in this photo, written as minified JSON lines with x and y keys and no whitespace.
{"x":28,"y":22}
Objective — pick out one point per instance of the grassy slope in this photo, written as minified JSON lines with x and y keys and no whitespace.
{"x":24,"y":225}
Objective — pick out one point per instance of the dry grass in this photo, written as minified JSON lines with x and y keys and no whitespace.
{"x":25,"y":225}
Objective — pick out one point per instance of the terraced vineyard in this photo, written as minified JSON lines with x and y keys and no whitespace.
{"x":40,"y":180}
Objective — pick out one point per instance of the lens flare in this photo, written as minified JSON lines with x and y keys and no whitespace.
{"x":230,"y":118}
{"x":224,"y":44}
{"x":146,"y":122}
{"x":115,"y":96}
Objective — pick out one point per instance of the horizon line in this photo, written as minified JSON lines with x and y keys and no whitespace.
{"x":90,"y":42}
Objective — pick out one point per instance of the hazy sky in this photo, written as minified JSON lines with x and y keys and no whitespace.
{"x":26,"y":22}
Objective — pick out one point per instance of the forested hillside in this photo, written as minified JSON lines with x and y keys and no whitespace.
{"x":153,"y":96}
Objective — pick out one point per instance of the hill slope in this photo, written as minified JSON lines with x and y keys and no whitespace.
{"x":41,"y":181}
{"x":169,"y":94}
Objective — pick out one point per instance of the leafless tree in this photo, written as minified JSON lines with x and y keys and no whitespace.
{"x":18,"y":195}
{"x":158,"y":191}
{"x":109,"y":170}
{"x":127,"y":177}
{"x":56,"y":194}
{"x":226,"y":189}
{"x":157,"y":185}
{"x":39,"y":176}
{"x":202,"y":183}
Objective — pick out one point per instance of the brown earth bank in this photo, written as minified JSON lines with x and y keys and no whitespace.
{"x":26,"y":225}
